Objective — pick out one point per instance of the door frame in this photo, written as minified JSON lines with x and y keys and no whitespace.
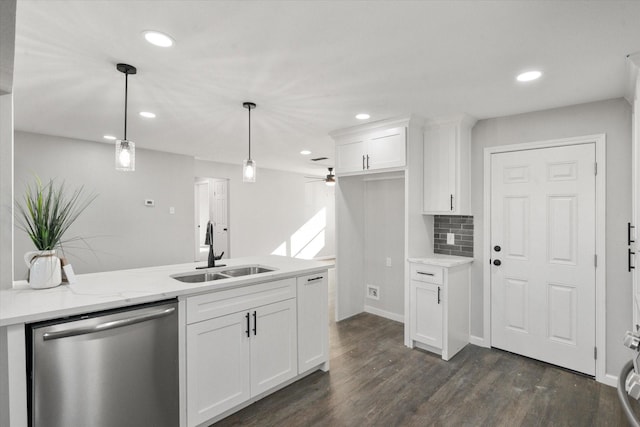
{"x":600,"y":216}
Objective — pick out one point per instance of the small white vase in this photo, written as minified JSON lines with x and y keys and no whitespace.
{"x":44,"y":269}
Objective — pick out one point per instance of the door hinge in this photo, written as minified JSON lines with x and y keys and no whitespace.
{"x":595,"y":353}
{"x":595,"y":260}
{"x":595,"y":168}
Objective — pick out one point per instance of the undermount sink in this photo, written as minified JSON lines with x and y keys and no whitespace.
{"x":209,"y":276}
{"x":246,"y":271}
{"x":200,"y":277}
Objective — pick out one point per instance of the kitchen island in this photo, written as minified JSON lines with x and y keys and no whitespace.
{"x":291,"y":299}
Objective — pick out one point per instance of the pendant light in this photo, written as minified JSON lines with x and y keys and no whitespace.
{"x":125,"y":149}
{"x":249,"y":165}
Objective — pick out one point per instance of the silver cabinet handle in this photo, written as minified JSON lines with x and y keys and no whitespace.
{"x":107,"y":325}
{"x":363,"y":162}
{"x":315,"y":278}
{"x":425,"y":274}
{"x":367,"y":161}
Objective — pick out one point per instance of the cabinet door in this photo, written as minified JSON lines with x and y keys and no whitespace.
{"x":274,"y":355}
{"x":313,"y":329}
{"x":386,"y":149}
{"x":218,"y":370}
{"x":350,"y":157}
{"x":440,"y":169}
{"x":426,"y":313}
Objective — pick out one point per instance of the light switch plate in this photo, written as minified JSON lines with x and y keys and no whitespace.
{"x":451,"y":239}
{"x":388,"y":261}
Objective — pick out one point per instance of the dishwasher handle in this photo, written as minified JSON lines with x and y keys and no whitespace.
{"x":107,"y":325}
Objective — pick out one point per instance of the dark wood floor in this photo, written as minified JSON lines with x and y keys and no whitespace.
{"x":376,"y":381}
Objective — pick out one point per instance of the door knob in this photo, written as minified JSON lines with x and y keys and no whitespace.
{"x":497,"y":248}
{"x":497,"y":262}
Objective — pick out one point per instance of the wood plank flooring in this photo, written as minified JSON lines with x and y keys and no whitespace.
{"x":376,"y":381}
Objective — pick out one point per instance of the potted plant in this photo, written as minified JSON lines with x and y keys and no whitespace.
{"x":45,"y":214}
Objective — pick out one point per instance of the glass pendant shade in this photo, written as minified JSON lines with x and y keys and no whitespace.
{"x":249,"y":171}
{"x":125,"y":155}
{"x":330,"y":183}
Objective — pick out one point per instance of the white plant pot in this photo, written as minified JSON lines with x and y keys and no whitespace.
{"x":44,"y":269}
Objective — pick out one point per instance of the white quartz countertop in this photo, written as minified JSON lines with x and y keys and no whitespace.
{"x":442,"y":260}
{"x":101,"y":291}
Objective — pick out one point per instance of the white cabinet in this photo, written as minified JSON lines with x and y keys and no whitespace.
{"x":313,"y":339}
{"x":233,"y":357}
{"x":274,"y":349}
{"x":218,"y":361}
{"x":447,"y":150}
{"x":426,"y":316}
{"x":371,"y":151}
{"x":244,"y":342}
{"x":439,"y":308}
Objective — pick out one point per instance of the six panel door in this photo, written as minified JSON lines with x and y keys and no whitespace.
{"x":543,"y":250}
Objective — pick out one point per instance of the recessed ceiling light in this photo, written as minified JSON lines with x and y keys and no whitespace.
{"x":158,"y":39}
{"x":529,"y":76}
{"x":109,"y":137}
{"x":147,"y":114}
{"x":362,"y":116}
{"x":305,"y":152}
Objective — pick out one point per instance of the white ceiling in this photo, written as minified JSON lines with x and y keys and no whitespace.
{"x":309,"y":65}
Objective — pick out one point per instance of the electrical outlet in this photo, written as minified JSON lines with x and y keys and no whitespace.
{"x":149,"y":202}
{"x":373,"y":292}
{"x":172,"y":210}
{"x":451,"y":239}
{"x":388,"y":261}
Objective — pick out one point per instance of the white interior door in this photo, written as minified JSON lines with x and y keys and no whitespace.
{"x":202,"y":217}
{"x":543,"y":238}
{"x":221,"y":217}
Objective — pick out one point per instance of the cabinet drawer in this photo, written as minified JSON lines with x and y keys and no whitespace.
{"x":215,"y":304}
{"x":427,"y":273}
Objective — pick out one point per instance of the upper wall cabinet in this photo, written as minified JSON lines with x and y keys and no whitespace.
{"x":447,"y":151}
{"x":371,"y":150}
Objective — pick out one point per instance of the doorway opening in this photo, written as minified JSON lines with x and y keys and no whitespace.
{"x":211,"y":196}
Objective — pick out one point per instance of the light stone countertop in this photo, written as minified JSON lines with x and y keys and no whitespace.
{"x":113,"y":289}
{"x":442,"y":260}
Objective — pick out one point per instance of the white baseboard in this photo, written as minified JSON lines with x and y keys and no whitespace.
{"x":383,"y":313}
{"x":611,"y":380}
{"x":480,"y":342}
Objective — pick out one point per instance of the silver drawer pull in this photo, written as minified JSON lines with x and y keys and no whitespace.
{"x":426,"y":274}
{"x":315,"y":278}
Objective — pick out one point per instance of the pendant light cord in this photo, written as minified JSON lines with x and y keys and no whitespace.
{"x":249,"y":133}
{"x":126,"y":92}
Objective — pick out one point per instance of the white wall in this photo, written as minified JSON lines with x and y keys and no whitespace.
{"x":612,"y":117}
{"x":281,"y":212}
{"x":383,"y":231}
{"x":123,"y":233}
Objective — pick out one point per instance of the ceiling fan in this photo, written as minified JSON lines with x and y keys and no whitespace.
{"x":330,"y":179}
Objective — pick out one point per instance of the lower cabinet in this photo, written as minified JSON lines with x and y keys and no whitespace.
{"x":313,"y":320}
{"x":243,"y":342}
{"x":426,"y":315}
{"x":439,"y":308}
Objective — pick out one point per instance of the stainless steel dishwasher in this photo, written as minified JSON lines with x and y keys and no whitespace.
{"x":112,"y":368}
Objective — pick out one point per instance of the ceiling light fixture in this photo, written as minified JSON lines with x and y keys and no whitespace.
{"x":125,"y":149}
{"x":529,"y":76}
{"x":110,"y":137}
{"x":305,"y":152}
{"x":249,"y":165}
{"x":147,"y":114}
{"x":362,"y":116}
{"x":158,"y":39}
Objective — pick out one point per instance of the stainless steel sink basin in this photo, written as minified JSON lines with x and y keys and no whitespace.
{"x":246,"y":271}
{"x":201,"y":277}
{"x":209,"y":276}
